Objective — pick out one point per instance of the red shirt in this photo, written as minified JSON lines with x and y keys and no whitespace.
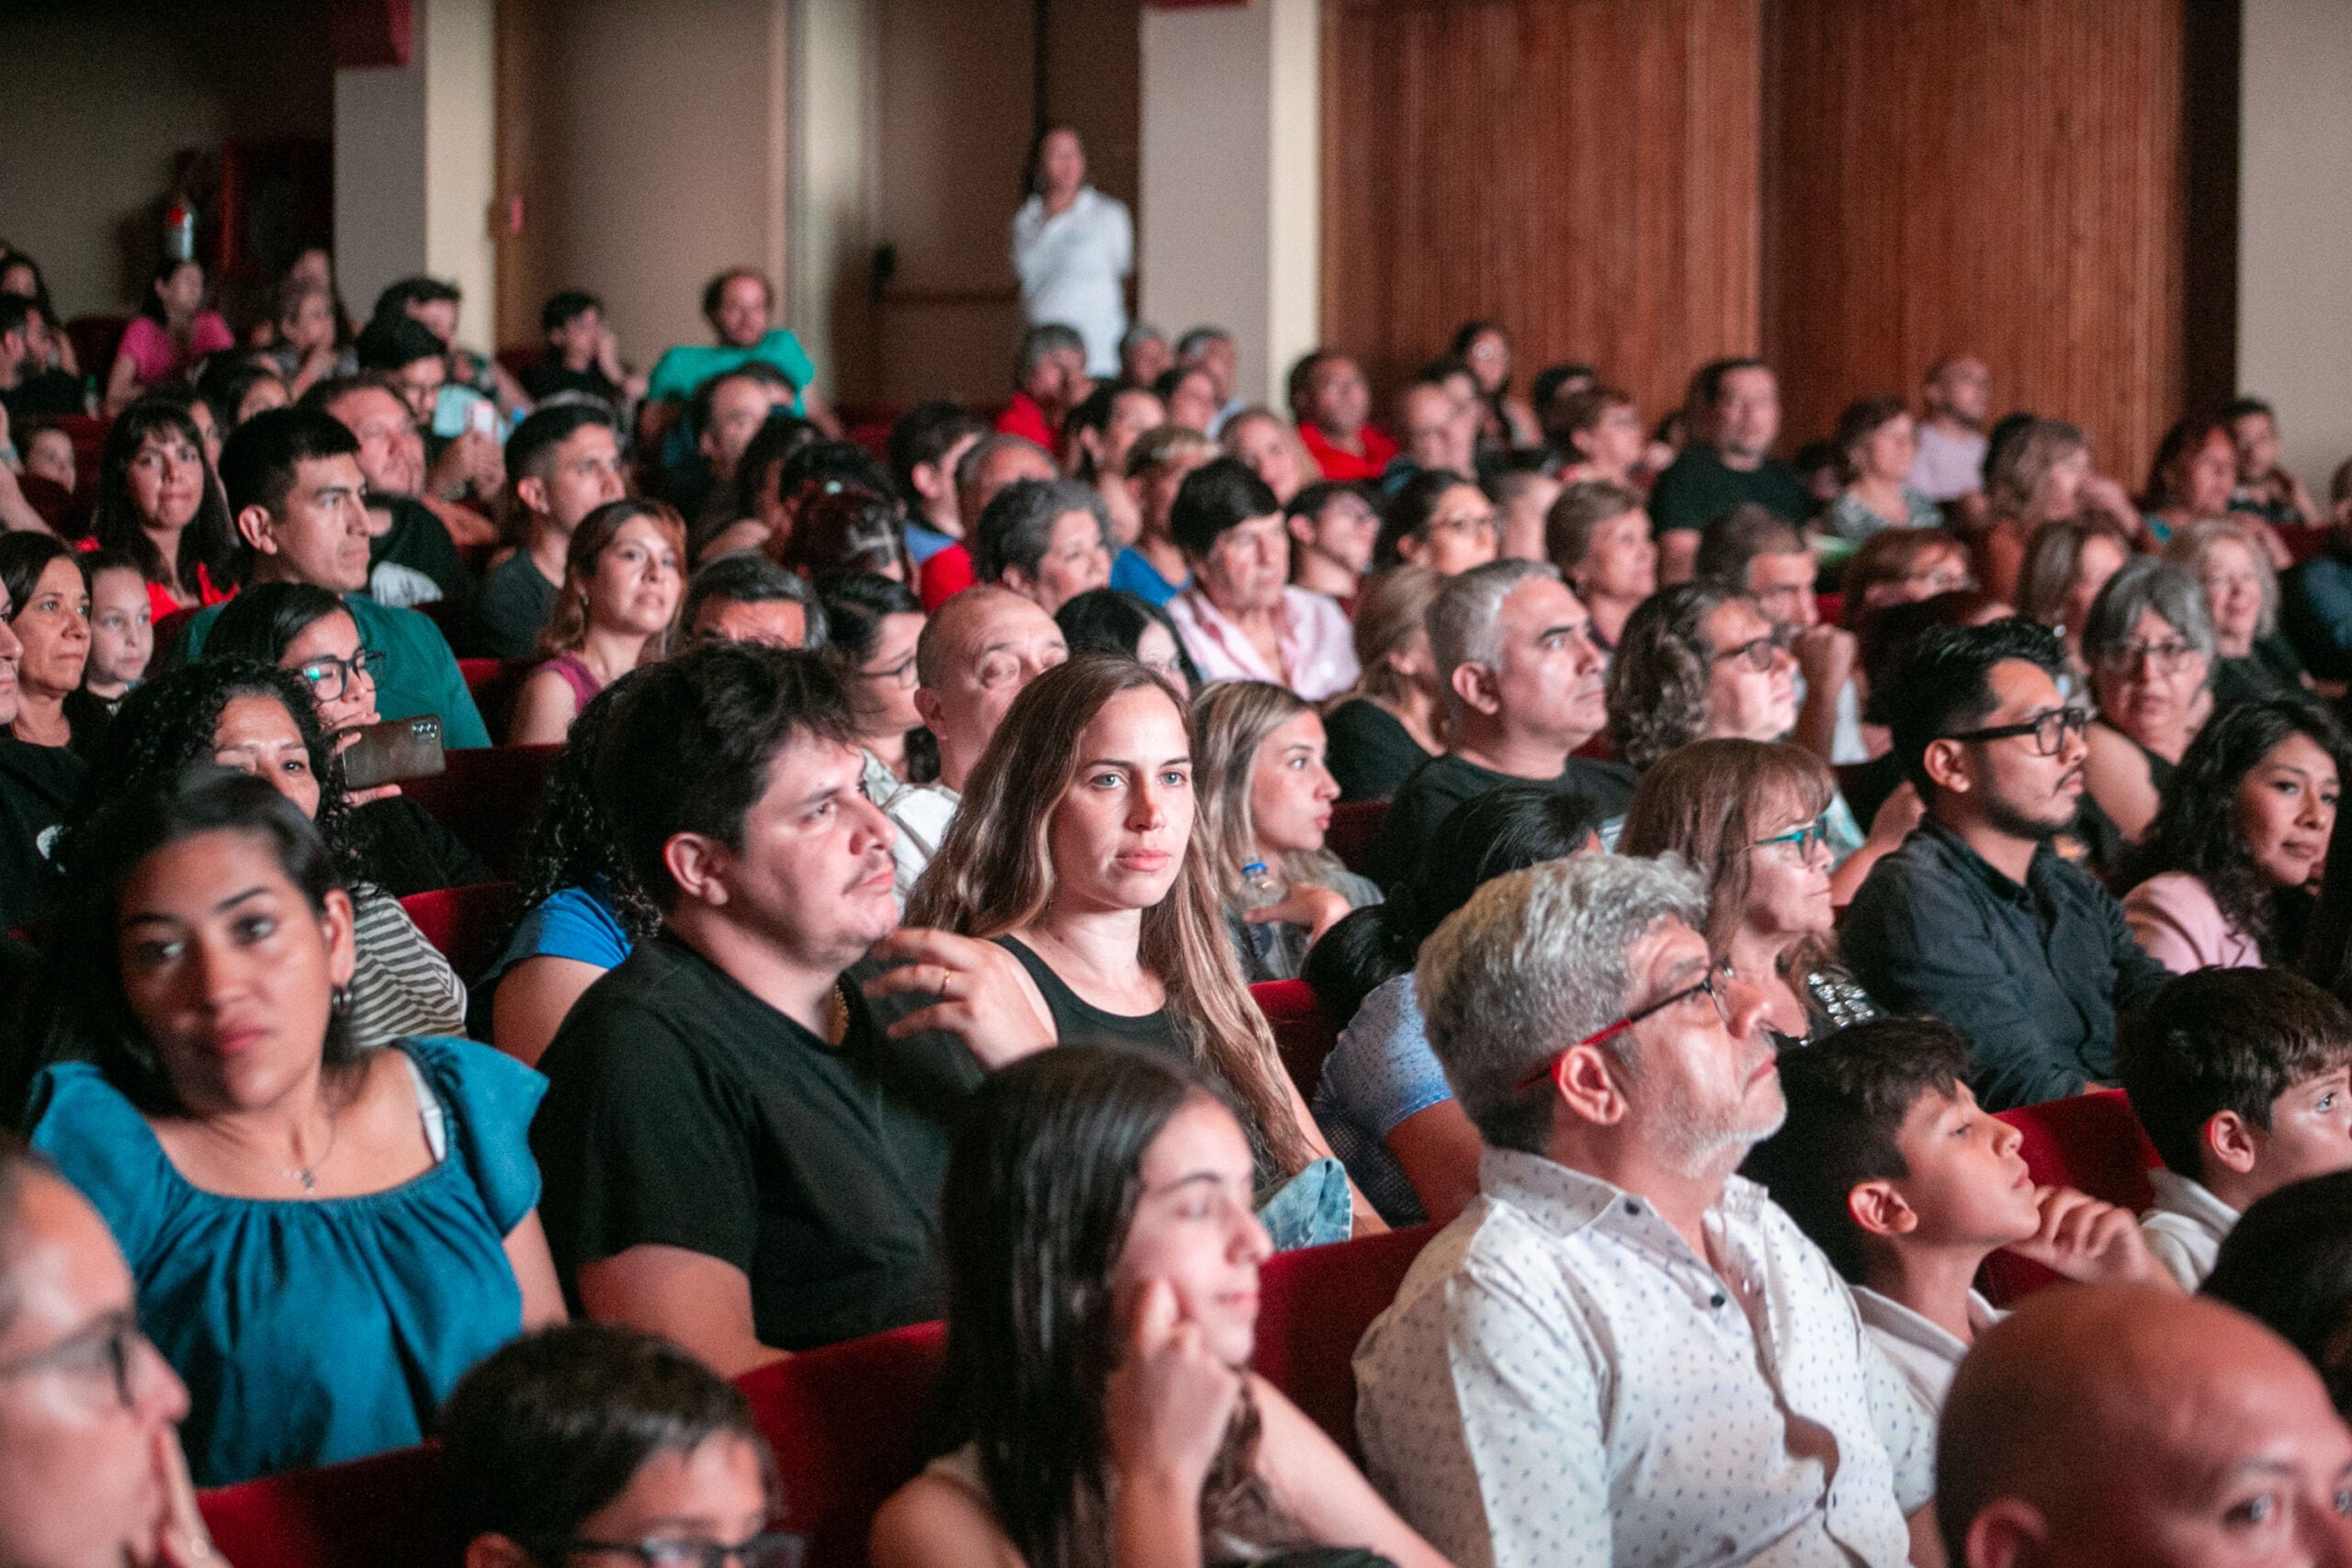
{"x":1023,"y":416}
{"x":947,"y":573}
{"x":1335,"y":464}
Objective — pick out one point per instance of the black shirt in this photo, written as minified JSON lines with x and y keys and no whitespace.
{"x":548,"y":377}
{"x":513,"y":608}
{"x":2035,"y":975}
{"x":420,"y":541}
{"x":1698,"y":487}
{"x":2271,"y":669}
{"x":682,"y":1111}
{"x":51,"y":394}
{"x":1370,"y":753}
{"x":40,"y":786}
{"x":405,"y":849}
{"x":1442,"y":782}
{"x":1078,"y":1022}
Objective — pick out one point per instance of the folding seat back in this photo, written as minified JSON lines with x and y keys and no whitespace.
{"x":466,"y":924}
{"x":1353,"y":823}
{"x":1314,"y":1304}
{"x":2091,"y":1142}
{"x":489,"y":797}
{"x":1304,"y":1031}
{"x":381,"y":1512}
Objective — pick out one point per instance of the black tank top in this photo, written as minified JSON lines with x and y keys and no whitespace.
{"x":1078,"y":1022}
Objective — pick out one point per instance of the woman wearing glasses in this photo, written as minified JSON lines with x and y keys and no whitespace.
{"x":2226,"y":873}
{"x":324,"y":1235}
{"x":591,"y":1443}
{"x":1751,"y":816}
{"x":616,"y":610}
{"x":872,"y":624}
{"x":1440,"y":520}
{"x":304,"y":629}
{"x":2149,"y":644}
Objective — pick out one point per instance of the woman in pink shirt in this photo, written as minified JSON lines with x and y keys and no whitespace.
{"x":169,"y":337}
{"x":2225,"y":871}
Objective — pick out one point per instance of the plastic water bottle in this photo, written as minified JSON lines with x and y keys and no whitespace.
{"x":179,"y":230}
{"x":1281,"y":944}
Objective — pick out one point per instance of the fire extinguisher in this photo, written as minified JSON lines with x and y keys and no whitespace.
{"x":179,"y":230}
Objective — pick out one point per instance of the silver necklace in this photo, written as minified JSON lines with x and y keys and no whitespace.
{"x":308,"y":1174}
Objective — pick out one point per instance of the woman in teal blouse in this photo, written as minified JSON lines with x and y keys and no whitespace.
{"x":325,"y":1238}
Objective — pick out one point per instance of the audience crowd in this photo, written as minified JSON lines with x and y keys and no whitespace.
{"x":1722,"y":891}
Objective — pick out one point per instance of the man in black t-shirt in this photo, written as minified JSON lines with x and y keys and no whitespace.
{"x":1735,"y":403}
{"x":562,"y":463}
{"x":741,"y":1151}
{"x":1523,"y":689}
{"x":28,"y":389}
{"x":584,"y":357}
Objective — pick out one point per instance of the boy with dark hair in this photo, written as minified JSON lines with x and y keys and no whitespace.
{"x":562,"y":463}
{"x":925,"y":446}
{"x":584,"y":357}
{"x":2243,"y":1078}
{"x":1888,"y":1163}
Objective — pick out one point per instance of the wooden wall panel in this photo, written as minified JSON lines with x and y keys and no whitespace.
{"x":1584,"y":171}
{"x":2003,"y":176}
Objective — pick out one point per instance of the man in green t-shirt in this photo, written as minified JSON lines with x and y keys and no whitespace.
{"x":740,"y":304}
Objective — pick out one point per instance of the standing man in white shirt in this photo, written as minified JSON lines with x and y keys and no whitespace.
{"x":1621,"y":1352}
{"x":1071,"y":247}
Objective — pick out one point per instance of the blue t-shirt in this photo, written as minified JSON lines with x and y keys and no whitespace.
{"x":1135,"y":575}
{"x":924,"y":541}
{"x":311,"y":1332}
{"x":1381,"y":1072}
{"x":577,"y":923}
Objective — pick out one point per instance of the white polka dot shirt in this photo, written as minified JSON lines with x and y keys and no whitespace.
{"x":1562,"y":1381}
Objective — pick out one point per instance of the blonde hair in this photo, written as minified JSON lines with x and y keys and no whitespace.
{"x":2191,"y":546}
{"x":2017,"y":464}
{"x":1390,"y":607}
{"x":1230,"y":721}
{"x":566,"y":627}
{"x":994,"y":874}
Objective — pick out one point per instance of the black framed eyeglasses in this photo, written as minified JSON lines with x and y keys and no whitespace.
{"x":1711,"y":987}
{"x":106,"y":1348}
{"x":1761,"y":652}
{"x":769,"y":1549}
{"x":2049,"y":729}
{"x":331,"y":677}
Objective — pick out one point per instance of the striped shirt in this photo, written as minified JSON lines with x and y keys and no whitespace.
{"x":402,"y":986}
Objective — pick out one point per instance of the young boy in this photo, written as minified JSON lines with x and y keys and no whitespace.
{"x":49,"y":451}
{"x":1888,"y":1162}
{"x":2243,"y":1078}
{"x":122,"y":627}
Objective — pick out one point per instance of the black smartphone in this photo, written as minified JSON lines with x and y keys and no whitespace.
{"x":393,"y":751}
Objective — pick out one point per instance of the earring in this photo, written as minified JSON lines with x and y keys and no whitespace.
{"x":339,"y":1000}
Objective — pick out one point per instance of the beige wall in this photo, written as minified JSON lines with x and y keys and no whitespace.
{"x":460,"y":132}
{"x":101,"y":97}
{"x":2295,"y":226}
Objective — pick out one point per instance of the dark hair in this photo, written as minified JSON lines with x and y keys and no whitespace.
{"x":151,"y":304}
{"x":2183,"y":439}
{"x":1706,"y":388}
{"x":1727,"y":544}
{"x":1041,"y":1190}
{"x":1544,"y":390}
{"x":1094,"y":415}
{"x":756,"y":370}
{"x":716,"y":289}
{"x":1173,"y":377}
{"x":1408,"y":514}
{"x":1505,"y":829}
{"x":1862,"y":421}
{"x":1301,"y":380}
{"x":782,"y":437}
{"x":209,"y":542}
{"x":572,"y":843}
{"x":1111,"y":620}
{"x":2196,"y":827}
{"x":532,"y":444}
{"x":391,"y":343}
{"x":2216,"y":1039}
{"x":418,"y":289}
{"x":228,"y":381}
{"x":14,"y":311}
{"x":1222,"y":493}
{"x":855,"y":604}
{"x":1946,"y":685}
{"x":1663,"y":671}
{"x":40,"y":296}
{"x":261,"y":620}
{"x":2237,"y":409}
{"x":147,"y":809}
{"x":1576,"y":512}
{"x":258,"y":460}
{"x":804,"y":468}
{"x":2288,"y":1263}
{"x":25,"y":556}
{"x":1310,"y":500}
{"x":926,"y":433}
{"x":1016,"y":527}
{"x":549,"y":1428}
{"x":565,"y":307}
{"x":1033,"y":166}
{"x":1889,"y":632}
{"x":691,"y":745}
{"x":845,"y":530}
{"x":746,"y":577}
{"x":1847,"y":1094}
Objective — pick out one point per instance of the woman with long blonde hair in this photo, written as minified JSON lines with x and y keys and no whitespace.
{"x":617,"y":609}
{"x":1266,"y":800}
{"x":1075,"y":851}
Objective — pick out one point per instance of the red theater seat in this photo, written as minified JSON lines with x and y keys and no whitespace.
{"x":489,"y":798}
{"x":1314,"y":1304}
{"x":1304,"y":1031}
{"x":495,"y":684}
{"x":1353,"y":823}
{"x":466,"y":924}
{"x":2091,"y":1142}
{"x":382,"y":1512}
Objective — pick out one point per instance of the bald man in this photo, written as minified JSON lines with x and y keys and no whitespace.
{"x":2100,"y":1424}
{"x":988,"y":466}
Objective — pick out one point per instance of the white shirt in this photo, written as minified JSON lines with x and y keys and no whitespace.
{"x":2185,"y":1228}
{"x":1311,"y":632}
{"x":1925,"y":1353}
{"x":1070,"y":266}
{"x":1562,"y":1382}
{"x":1948,"y":466}
{"x":919,"y":812}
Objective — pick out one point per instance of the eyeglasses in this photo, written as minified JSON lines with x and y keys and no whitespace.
{"x":768,"y":1550}
{"x":1941,"y":579}
{"x":2168,"y":657}
{"x":108,"y":1346}
{"x":1807,"y":839}
{"x":1477,"y":522}
{"x":1762,"y":652}
{"x":1712,"y":988}
{"x":2049,"y":729}
{"x":330,"y":678}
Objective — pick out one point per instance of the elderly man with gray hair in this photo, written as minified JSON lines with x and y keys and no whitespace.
{"x":1622,"y":1352}
{"x":1524,"y":686}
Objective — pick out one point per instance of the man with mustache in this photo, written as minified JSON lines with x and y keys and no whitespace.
{"x":1976,"y":920}
{"x":1524,"y":687}
{"x":1621,"y":1352}
{"x":741,"y":1152}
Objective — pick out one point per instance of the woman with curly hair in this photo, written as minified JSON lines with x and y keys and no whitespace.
{"x":244,"y":715}
{"x":2243,"y":827}
{"x":158,"y":500}
{"x":583,"y":911}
